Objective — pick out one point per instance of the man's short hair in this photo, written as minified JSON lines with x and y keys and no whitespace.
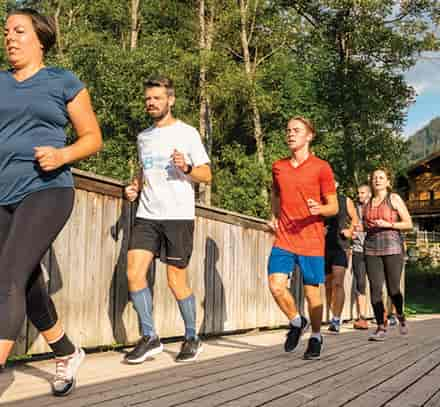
{"x":160,"y":82}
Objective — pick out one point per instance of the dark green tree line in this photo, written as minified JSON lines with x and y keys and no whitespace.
{"x":242,"y":68}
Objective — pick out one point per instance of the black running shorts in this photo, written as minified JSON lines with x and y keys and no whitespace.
{"x":170,"y":240}
{"x":336,"y":257}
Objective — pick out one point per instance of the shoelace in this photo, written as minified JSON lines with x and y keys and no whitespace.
{"x":62,"y":369}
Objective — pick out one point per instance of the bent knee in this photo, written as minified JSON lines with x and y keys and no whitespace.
{"x":277,"y":290}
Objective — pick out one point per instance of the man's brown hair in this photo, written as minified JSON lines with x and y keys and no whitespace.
{"x":160,"y":82}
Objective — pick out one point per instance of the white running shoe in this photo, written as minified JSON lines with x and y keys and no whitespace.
{"x":66,"y":369}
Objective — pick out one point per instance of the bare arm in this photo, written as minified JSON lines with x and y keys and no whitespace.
{"x":348,"y":232}
{"x":132,"y":190}
{"x":405,"y":222}
{"x":275,"y":204}
{"x":202,"y":173}
{"x":89,"y":138}
{"x":330,"y":208}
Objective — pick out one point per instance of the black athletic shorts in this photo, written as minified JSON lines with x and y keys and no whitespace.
{"x":170,"y":240}
{"x":337,"y":257}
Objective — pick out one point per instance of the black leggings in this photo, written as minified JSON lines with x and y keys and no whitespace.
{"x":386,"y":269}
{"x":359,"y":270}
{"x":27,"y":230}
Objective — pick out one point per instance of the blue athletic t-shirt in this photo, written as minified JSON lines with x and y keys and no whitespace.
{"x":33,"y":113}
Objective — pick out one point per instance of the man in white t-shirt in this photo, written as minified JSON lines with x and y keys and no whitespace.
{"x":172,"y":157}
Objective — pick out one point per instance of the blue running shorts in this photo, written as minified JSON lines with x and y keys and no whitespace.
{"x":312,"y":267}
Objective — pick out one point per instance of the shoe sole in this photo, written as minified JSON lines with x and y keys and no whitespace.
{"x":145,"y":356}
{"x":305,"y":329}
{"x":59,"y":394}
{"x":199,"y":351}
{"x":376,"y":339}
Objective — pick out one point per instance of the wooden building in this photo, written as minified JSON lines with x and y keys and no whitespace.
{"x":424,"y":193}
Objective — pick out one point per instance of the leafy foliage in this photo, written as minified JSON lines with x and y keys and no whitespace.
{"x":338,"y":62}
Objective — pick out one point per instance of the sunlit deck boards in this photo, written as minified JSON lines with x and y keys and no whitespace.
{"x":253,"y":370}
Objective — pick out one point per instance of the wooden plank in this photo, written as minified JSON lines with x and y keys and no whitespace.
{"x":125,"y":321}
{"x":194,"y":383}
{"x":69,"y":269}
{"x":434,"y":401}
{"x":232,"y":218}
{"x":104,"y":275}
{"x":35,"y":341}
{"x":91,"y":185}
{"x":419,"y":384}
{"x":381,"y":370}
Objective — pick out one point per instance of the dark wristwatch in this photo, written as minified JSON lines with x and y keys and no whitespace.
{"x":189,"y":169}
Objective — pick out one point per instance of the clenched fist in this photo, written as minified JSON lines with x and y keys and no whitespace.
{"x":179,"y":160}
{"x":49,"y":158}
{"x":132,"y":190}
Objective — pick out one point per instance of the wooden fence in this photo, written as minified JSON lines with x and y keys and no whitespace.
{"x":87,"y":263}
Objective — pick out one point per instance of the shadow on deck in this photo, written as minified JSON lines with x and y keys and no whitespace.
{"x":253,"y":370}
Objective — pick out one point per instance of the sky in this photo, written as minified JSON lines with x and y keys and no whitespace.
{"x":425,"y":78}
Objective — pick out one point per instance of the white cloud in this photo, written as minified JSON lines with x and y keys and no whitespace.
{"x":425,"y":75}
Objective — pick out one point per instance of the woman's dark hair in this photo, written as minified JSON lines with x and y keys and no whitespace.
{"x":44,"y":27}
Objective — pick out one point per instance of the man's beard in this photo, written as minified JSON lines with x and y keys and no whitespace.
{"x":159,"y":115}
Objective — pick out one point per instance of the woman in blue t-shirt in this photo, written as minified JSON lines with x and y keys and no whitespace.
{"x":36,"y":186}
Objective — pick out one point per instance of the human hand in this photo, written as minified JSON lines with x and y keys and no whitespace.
{"x":383,"y":223}
{"x":314,"y":207}
{"x":273,"y":225}
{"x":346,"y":233}
{"x":179,"y":160}
{"x":132,"y":190}
{"x":49,"y":158}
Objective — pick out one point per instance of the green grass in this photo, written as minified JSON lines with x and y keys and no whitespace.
{"x":421,"y":306}
{"x":422,"y":288}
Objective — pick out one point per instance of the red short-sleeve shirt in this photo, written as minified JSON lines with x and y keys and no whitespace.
{"x":298,"y":231}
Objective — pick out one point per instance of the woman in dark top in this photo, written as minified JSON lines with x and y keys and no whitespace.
{"x":36,"y":186}
{"x":385,"y":215}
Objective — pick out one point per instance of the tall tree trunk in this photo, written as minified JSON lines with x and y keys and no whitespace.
{"x":206,"y":22}
{"x":135,"y":24}
{"x":250,"y":69}
{"x":57,"y":28}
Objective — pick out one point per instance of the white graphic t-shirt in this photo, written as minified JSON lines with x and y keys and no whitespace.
{"x":167,"y":193}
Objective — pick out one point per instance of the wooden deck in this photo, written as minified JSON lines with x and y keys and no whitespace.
{"x":253,"y":370}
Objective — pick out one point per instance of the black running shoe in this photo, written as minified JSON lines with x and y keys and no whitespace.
{"x":294,"y":335}
{"x":190,"y":350}
{"x":313,"y":351}
{"x":145,"y":348}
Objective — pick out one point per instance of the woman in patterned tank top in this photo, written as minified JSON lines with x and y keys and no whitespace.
{"x":385,"y":216}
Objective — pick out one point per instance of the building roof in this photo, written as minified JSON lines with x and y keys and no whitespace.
{"x":424,"y":163}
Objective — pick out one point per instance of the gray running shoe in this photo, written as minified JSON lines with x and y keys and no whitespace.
{"x":403,"y":327}
{"x":379,"y":335}
{"x":146,"y":347}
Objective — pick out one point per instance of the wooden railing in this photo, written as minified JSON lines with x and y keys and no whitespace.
{"x":428,"y":205}
{"x":86,"y":270}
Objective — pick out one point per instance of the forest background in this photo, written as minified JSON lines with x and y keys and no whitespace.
{"x":241,"y":69}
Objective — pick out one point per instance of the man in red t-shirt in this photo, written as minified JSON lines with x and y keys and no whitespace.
{"x":303,"y":193}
